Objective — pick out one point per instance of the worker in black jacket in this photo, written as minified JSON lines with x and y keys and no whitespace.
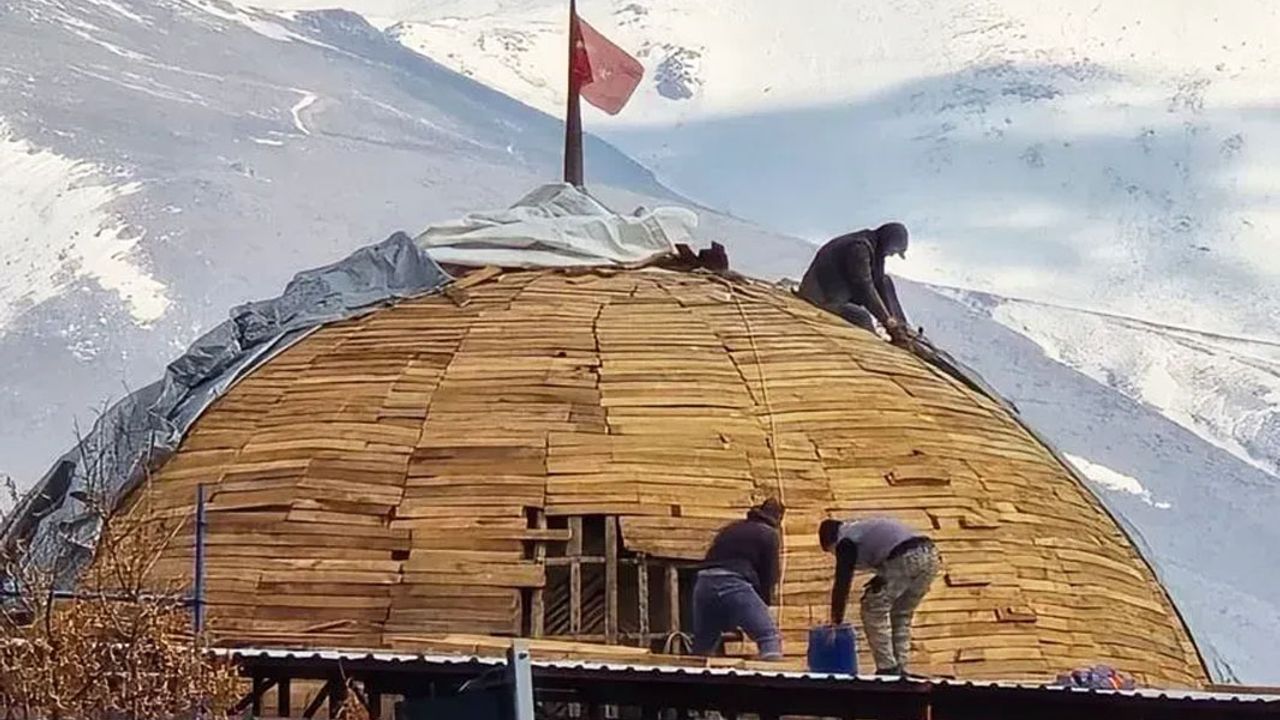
{"x":736,"y":581}
{"x":847,"y":278}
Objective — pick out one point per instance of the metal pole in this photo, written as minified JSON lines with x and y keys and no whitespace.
{"x":573,"y":109}
{"x":521,"y":673}
{"x":197,"y":616}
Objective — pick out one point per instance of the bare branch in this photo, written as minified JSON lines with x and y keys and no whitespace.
{"x":122,"y":645}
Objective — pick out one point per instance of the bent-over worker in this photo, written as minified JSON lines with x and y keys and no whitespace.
{"x":736,"y":581}
{"x":847,"y":278}
{"x":905,"y":563}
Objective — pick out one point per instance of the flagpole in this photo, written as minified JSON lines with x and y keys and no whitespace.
{"x":573,"y":111}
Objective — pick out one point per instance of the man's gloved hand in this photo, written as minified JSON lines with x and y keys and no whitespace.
{"x":898,"y":334}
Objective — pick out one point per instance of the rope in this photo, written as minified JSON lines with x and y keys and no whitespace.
{"x":677,"y":643}
{"x":772,"y":439}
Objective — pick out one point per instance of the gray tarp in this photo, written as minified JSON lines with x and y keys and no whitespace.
{"x":56,"y":517}
{"x":553,"y":226}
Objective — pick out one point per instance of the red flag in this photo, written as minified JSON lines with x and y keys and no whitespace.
{"x":602,"y":72}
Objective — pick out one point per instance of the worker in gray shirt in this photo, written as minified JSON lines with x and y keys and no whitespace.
{"x":905,"y":563}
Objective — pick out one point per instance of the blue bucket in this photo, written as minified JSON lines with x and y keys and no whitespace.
{"x":833,"y":649}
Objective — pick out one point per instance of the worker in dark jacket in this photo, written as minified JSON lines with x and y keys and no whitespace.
{"x":905,"y":564}
{"x":847,"y":278}
{"x":736,"y":581}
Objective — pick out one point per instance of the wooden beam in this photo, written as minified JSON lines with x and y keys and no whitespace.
{"x":284,"y":696}
{"x":578,"y":560}
{"x":642,"y":592}
{"x":317,"y":701}
{"x":538,"y":607}
{"x":337,"y":696}
{"x":573,"y":551}
{"x":254,"y":699}
{"x":673,"y":599}
{"x":611,"y":579}
{"x":260,"y":687}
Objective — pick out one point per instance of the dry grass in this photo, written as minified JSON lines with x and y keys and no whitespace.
{"x":123,"y":647}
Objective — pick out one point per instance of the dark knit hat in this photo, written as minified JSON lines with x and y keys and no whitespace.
{"x":770,"y":511}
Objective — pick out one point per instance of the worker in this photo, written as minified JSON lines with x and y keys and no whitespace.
{"x":905,"y":564}
{"x":847,"y":278}
{"x":735,"y":583}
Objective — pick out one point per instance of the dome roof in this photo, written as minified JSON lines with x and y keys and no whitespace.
{"x":544,"y":452}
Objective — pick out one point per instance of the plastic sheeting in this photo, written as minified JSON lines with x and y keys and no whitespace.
{"x":558,"y":225}
{"x":58,"y":517}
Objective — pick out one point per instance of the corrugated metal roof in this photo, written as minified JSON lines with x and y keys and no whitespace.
{"x":722,"y":672}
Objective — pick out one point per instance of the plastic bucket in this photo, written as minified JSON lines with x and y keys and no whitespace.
{"x":833,"y":649}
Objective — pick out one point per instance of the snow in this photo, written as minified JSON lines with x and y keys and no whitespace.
{"x":308,"y":99}
{"x":109,"y":47}
{"x":1117,"y":160}
{"x":1058,"y":151}
{"x":1113,"y":480}
{"x":121,"y":10}
{"x":261,"y":22}
{"x":1224,"y":388}
{"x":56,"y":228}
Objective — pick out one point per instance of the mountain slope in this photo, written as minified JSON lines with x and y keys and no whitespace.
{"x":1204,"y":518}
{"x":1105,"y":157}
{"x":162,"y":161}
{"x":1058,"y":153}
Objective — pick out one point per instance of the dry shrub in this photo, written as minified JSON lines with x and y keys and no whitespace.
{"x":353,"y":705}
{"x":121,"y":648}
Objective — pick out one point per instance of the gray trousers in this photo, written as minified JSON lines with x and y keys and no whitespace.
{"x":890,"y":600}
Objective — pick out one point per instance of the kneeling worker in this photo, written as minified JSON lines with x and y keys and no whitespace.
{"x":847,"y":277}
{"x":905,"y":563}
{"x":736,"y":582}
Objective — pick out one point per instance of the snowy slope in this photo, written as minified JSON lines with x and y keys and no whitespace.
{"x":1225,"y":388}
{"x":1204,"y":518}
{"x":1105,"y":157}
{"x":164,"y":160}
{"x":56,"y":228}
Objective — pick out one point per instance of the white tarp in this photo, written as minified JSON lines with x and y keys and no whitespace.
{"x":558,"y":225}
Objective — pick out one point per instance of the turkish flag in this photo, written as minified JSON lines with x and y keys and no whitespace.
{"x":603,"y":73}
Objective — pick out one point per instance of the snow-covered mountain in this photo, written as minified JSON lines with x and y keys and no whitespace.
{"x":1205,"y":518}
{"x":163,"y":160}
{"x":1110,"y":166}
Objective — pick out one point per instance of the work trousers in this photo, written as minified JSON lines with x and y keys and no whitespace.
{"x":722,"y":601}
{"x":890,"y":600}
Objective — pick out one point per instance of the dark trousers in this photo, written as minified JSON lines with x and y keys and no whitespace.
{"x":723,"y":601}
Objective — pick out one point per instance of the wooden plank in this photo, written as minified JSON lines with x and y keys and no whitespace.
{"x":642,"y":593}
{"x":611,"y":579}
{"x":574,"y":550}
{"x":537,"y":606}
{"x":673,"y":599}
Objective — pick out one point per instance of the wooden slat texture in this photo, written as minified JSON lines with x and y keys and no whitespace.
{"x":374,"y":484}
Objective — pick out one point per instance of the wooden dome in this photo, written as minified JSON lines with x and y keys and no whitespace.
{"x":543,"y":453}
